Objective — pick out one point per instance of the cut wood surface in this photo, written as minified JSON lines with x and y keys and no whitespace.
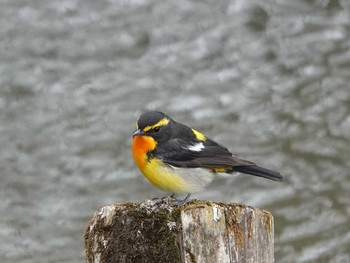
{"x":199,"y":231}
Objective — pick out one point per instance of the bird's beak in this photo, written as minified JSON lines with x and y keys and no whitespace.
{"x":137,"y":132}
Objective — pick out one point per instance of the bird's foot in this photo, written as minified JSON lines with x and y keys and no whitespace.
{"x":171,"y":200}
{"x":178,"y":202}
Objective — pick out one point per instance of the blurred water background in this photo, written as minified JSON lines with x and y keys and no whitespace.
{"x":269,"y":79}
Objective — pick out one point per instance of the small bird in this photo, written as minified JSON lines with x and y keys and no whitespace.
{"x":182,"y":160}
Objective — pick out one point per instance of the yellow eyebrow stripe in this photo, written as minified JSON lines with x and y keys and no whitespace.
{"x":199,"y":136}
{"x":162,"y":122}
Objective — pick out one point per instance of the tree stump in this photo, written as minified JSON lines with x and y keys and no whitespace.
{"x":199,"y":231}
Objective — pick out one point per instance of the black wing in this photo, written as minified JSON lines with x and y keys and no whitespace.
{"x":180,"y":153}
{"x":177,"y":152}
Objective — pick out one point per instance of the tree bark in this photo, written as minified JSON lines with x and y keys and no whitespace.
{"x":199,"y":231}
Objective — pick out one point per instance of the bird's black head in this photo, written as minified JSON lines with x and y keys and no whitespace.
{"x":155,"y":124}
{"x":151,"y":118}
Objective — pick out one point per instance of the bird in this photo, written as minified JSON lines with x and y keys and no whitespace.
{"x":178,"y":159}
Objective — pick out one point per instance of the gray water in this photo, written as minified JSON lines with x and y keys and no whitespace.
{"x":269,"y":79}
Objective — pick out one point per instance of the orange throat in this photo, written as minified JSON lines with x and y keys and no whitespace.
{"x":141,"y":145}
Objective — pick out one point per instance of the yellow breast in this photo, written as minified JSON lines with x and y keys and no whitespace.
{"x":166,"y":177}
{"x":159,"y":174}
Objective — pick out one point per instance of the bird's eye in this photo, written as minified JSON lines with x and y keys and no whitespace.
{"x":156,"y":129}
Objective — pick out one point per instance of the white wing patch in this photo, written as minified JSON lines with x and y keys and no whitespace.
{"x":198,"y":147}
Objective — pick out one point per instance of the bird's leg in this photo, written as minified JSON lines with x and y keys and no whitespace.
{"x":181,"y":202}
{"x":186,"y":199}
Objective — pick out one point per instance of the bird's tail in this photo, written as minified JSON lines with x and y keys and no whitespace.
{"x":259,"y":171}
